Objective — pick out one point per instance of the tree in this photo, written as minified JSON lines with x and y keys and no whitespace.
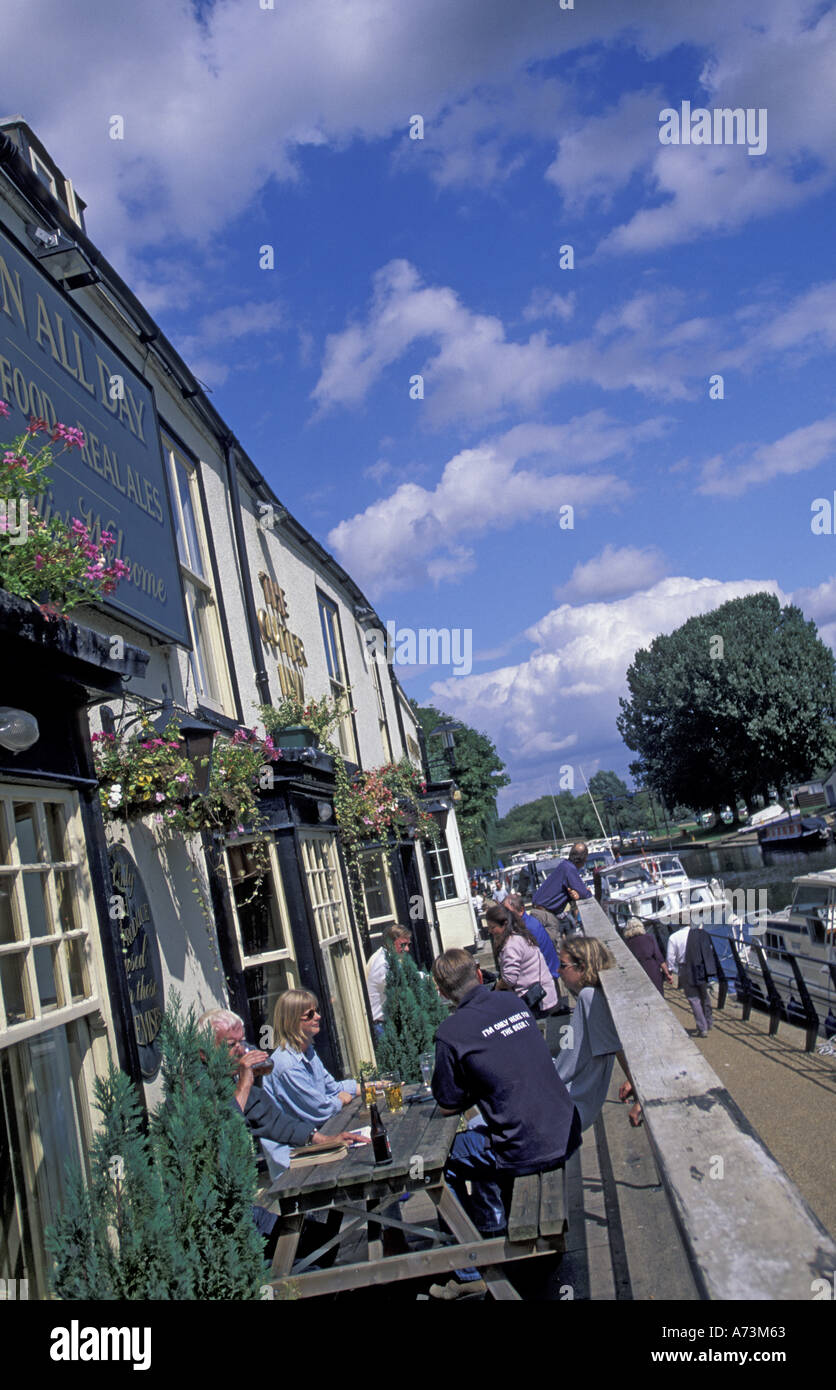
{"x":167,"y":1212}
{"x":730,"y":702}
{"x":413,"y":1013}
{"x":479,"y":773}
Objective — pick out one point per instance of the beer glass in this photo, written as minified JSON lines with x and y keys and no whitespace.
{"x":393,"y":1088}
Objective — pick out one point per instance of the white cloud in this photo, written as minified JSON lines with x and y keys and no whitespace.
{"x":545,"y":304}
{"x":561,"y":703}
{"x":220,"y":328}
{"x":616,"y":571}
{"x":728,"y":475}
{"x":215,"y":109}
{"x":476,"y":373}
{"x":417,"y":531}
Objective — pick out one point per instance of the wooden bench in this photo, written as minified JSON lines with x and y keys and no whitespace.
{"x":538,"y":1208}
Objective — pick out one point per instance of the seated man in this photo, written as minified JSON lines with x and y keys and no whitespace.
{"x":490,"y":1054}
{"x":277,"y":1130}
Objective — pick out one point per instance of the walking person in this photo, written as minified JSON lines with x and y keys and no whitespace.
{"x":692,"y":956}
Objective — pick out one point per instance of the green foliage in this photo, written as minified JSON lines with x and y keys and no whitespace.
{"x":716,"y":721}
{"x":412,"y":1014}
{"x":479,"y":773}
{"x":167,"y":1213}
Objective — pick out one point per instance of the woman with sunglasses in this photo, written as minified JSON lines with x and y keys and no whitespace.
{"x":299,"y":1083}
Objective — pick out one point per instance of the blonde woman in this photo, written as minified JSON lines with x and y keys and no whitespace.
{"x":299,"y":1083}
{"x":589,"y":1043}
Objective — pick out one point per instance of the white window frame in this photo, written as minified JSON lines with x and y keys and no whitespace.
{"x":282,"y":953}
{"x":25,"y":944}
{"x":335,"y":661}
{"x":214,"y":661}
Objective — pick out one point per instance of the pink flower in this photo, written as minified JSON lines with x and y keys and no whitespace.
{"x":182,"y":777}
{"x":160,"y":796}
{"x":37,"y":425}
{"x":107,"y":538}
{"x":73,"y":438}
{"x":78,"y":528}
{"x":39,"y":562}
{"x":4,"y":409}
{"x":239,"y":830}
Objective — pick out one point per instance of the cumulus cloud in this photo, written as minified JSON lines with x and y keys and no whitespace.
{"x":475,"y":371}
{"x":561,"y":703}
{"x":616,"y":571}
{"x":220,"y":101}
{"x":651,"y":341}
{"x":728,"y":475}
{"x":417,"y":531}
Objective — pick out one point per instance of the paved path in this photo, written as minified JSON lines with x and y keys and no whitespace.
{"x":787,"y":1094}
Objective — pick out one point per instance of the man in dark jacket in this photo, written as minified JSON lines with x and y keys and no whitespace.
{"x":691,"y":955}
{"x":490,"y":1054}
{"x":564,"y":885}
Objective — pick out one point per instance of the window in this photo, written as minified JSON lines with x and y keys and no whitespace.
{"x":53,"y":1038}
{"x":43,"y":173}
{"x":335,"y":660}
{"x":45,"y":968}
{"x":386,"y":742}
{"x":262,"y":931}
{"x":378,"y":895}
{"x":327,"y":897}
{"x":442,"y":878}
{"x":208,"y":656}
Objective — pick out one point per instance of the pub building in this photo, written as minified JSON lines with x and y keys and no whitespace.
{"x":229,"y":603}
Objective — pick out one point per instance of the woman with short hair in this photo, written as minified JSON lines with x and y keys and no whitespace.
{"x":299,"y":1083}
{"x":646,"y":950}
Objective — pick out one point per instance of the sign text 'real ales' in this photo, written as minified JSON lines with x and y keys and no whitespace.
{"x":55,"y":367}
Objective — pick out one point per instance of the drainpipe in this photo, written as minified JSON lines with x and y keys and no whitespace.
{"x":256,"y":648}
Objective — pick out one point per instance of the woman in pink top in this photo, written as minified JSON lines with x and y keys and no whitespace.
{"x":519,"y":958}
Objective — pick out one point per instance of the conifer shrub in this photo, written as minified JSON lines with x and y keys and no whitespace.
{"x":167,"y":1210}
{"x":412,"y":1013}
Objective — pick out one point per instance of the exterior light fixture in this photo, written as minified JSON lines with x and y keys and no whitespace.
{"x":198,"y":738}
{"x":324,"y":810}
{"x":18,"y":729}
{"x":445,"y":731}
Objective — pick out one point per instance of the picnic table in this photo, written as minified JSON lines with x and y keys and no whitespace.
{"x":363,"y":1193}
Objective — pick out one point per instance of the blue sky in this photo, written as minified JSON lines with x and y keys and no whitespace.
{"x":543,"y":387}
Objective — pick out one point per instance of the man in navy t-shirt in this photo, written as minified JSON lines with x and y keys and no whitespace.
{"x":490,"y":1054}
{"x":564,"y":884}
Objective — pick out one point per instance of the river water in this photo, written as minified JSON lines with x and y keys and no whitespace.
{"x":749,"y":867}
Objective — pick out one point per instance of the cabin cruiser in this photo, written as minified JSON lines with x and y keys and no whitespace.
{"x":656,"y":887}
{"x":807,"y":930}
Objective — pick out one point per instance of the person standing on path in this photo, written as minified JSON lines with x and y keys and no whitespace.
{"x":691,"y":955}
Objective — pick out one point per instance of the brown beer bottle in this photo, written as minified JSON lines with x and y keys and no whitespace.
{"x":380,"y":1139}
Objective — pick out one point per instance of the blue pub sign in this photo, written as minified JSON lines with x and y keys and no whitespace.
{"x":56,"y":366}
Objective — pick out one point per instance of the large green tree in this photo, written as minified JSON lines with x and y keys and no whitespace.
{"x":479,"y":773}
{"x":731,"y":702}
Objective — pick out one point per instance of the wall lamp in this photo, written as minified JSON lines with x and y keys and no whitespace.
{"x":18,"y":729}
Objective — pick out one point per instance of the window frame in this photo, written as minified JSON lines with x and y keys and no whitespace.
{"x":42,"y":1019}
{"x":210,"y":657}
{"x":335,"y":654}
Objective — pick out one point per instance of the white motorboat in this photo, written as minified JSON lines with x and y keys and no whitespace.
{"x":656,"y":887}
{"x":806,"y":930}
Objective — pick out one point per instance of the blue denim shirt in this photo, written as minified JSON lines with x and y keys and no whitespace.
{"x":300,"y":1085}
